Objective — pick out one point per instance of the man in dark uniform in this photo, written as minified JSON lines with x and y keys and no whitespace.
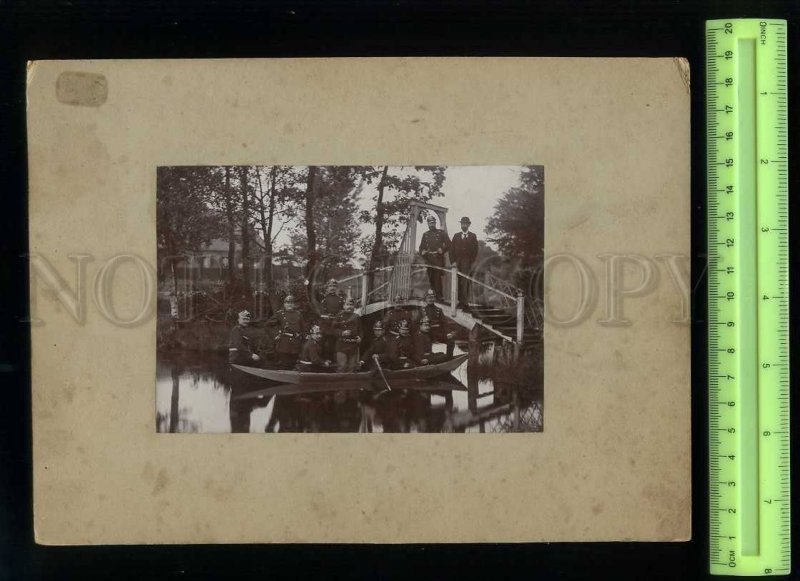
{"x":423,"y":346}
{"x":311,"y":358}
{"x":433,"y":248}
{"x":401,"y":349}
{"x":439,"y":331}
{"x":394,"y":316}
{"x":348,"y":330}
{"x":464,"y":251}
{"x":378,"y":348}
{"x":330,"y":308}
{"x":289,"y":338}
{"x":239,"y":349}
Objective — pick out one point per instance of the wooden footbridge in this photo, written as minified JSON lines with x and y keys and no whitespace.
{"x":494,"y":304}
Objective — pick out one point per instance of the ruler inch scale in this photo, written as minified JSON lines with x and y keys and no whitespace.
{"x":748,"y":297}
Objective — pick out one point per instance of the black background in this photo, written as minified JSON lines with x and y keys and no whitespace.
{"x":150,"y":29}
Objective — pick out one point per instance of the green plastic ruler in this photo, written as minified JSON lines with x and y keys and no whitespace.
{"x":748,"y":297}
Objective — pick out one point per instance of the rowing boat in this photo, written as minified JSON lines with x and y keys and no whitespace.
{"x":432,"y":385}
{"x":292,"y":376}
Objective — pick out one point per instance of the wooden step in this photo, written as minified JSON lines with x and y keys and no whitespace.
{"x":482,"y":308}
{"x":499,"y":320}
{"x":507,"y":327}
{"x":493,"y":313}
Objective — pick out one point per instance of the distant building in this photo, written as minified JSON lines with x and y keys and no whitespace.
{"x":210,"y":262}
{"x":215,"y":255}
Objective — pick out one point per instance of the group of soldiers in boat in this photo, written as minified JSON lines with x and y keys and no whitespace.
{"x":335,"y":340}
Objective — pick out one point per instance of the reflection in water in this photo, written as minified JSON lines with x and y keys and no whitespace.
{"x":197,"y":393}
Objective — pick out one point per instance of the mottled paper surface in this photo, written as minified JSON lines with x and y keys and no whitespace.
{"x":613,"y":462}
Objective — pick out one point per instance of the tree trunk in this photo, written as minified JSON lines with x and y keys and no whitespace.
{"x":311,"y":234}
{"x":231,"y":229}
{"x":245,"y":228}
{"x":377,"y":245}
{"x":173,"y":267}
{"x":173,"y":264}
{"x":174,"y":404}
{"x":266,"y":219}
{"x":268,"y":234}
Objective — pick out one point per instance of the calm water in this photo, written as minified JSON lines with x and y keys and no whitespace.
{"x":201,"y":393}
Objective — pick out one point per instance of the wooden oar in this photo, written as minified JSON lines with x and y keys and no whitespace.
{"x":383,"y":377}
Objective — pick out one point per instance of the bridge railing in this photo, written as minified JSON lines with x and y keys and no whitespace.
{"x":494,"y":291}
{"x":534,"y":306}
{"x":358,"y":285}
{"x":515,"y":303}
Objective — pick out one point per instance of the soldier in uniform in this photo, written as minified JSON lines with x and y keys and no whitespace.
{"x":401,"y":349}
{"x":463,"y":252}
{"x":439,"y":331}
{"x":433,"y":248}
{"x":239,"y":349}
{"x":423,"y":346}
{"x":330,"y":308}
{"x":311,"y":358}
{"x":379,"y":347}
{"x":348,"y":330}
{"x":394,"y":316}
{"x":289,"y":338}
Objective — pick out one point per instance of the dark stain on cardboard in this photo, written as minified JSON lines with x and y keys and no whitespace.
{"x":81,"y":89}
{"x":162,"y":480}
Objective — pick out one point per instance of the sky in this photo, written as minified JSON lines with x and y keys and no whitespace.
{"x":468,"y":191}
{"x":472,"y":191}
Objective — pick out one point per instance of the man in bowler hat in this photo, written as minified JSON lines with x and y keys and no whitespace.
{"x":464,"y":251}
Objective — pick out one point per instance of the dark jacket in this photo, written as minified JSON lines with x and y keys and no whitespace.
{"x":347,"y":322}
{"x":464,"y":250}
{"x":379,"y":347}
{"x":331,"y":305}
{"x":434,"y":246}
{"x":401,"y":349}
{"x":423,"y":346}
{"x":391,"y":321}
{"x":291,"y":327}
{"x":440,"y":325}
{"x":239,"y":349}
{"x":312,"y":352}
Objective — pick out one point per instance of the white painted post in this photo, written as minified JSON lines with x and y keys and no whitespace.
{"x":453,"y":289}
{"x":363,"y":291}
{"x":173,"y":306}
{"x":520,"y":316}
{"x":412,"y":235}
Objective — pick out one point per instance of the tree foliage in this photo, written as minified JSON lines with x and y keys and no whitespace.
{"x":517,"y":224}
{"x":396,"y":188}
{"x":335,"y":217}
{"x":318,"y":208}
{"x":275,"y":195}
{"x":185,"y":220}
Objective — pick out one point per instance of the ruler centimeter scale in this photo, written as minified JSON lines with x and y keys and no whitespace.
{"x":748,"y":297}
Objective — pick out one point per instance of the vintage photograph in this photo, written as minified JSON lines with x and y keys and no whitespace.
{"x":350,"y":299}
{"x":191,"y":273}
